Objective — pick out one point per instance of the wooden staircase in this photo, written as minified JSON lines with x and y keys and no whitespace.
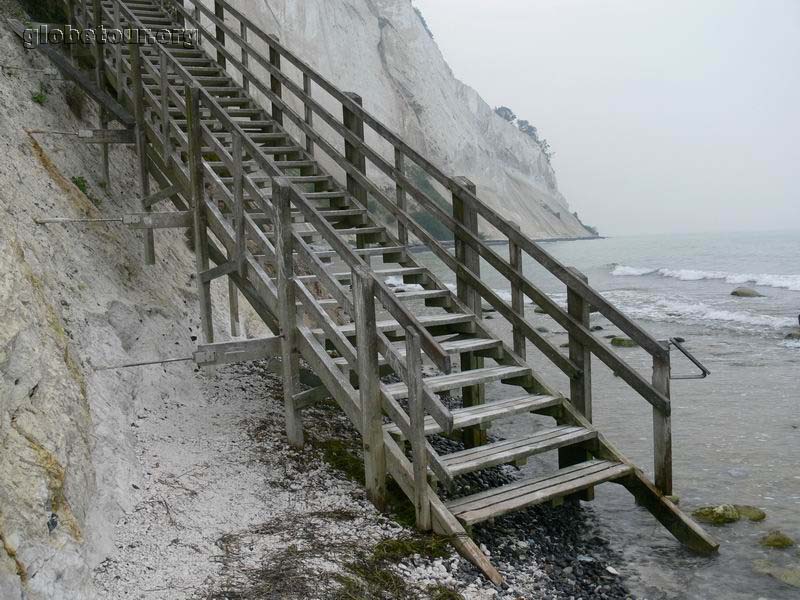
{"x":228,"y":130}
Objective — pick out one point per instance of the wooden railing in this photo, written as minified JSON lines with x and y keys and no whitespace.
{"x":233,"y":36}
{"x":235,"y":50}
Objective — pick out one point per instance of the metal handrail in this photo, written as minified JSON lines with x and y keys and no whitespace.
{"x":704,"y":372}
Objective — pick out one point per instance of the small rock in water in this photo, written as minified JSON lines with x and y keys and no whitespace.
{"x":746,"y":292}
{"x":793,"y":335}
{"x":776,"y":539}
{"x":612,"y":570}
{"x":717,"y":515}
{"x":621,"y":342}
{"x":676,"y":500}
{"x":790,"y":576}
{"x":597,"y":328}
{"x":753,"y":513}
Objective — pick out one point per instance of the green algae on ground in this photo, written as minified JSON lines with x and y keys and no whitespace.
{"x":621,"y":342}
{"x":788,"y":575}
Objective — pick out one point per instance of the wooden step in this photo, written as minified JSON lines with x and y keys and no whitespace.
{"x":376,"y":251}
{"x":485,"y":413}
{"x":521,"y":494}
{"x":451,"y":347}
{"x":405,"y":294}
{"x":462,"y":379}
{"x":426,"y":320}
{"x":507,"y":451}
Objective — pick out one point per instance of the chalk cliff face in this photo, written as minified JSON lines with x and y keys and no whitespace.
{"x":381,"y":50}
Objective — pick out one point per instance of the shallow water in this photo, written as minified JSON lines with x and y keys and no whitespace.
{"x":736,"y":435}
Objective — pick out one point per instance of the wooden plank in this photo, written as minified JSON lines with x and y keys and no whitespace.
{"x":141,"y":145}
{"x":538,"y":491}
{"x":200,"y":223}
{"x":100,"y":80}
{"x":355,"y":157}
{"x":286,"y":307}
{"x":308,"y":114}
{"x":219,"y":12}
{"x":662,"y":425}
{"x":441,"y":383}
{"x":158,"y":220}
{"x":238,"y":202}
{"x":507,"y":451}
{"x":416,"y":411}
{"x":107,"y":136}
{"x":400,"y":196}
{"x":368,"y":378}
{"x":163,"y":194}
{"x":477,"y":415}
{"x":670,"y":516}
{"x":245,"y":57}
{"x":236,"y":351}
{"x":163,"y":71}
{"x":233,"y":308}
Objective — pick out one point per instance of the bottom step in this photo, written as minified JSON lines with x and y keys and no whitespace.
{"x":521,"y":494}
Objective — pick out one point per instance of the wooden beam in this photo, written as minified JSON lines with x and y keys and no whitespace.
{"x":158,"y":220}
{"x":237,"y":351}
{"x":274,"y":82}
{"x":287,"y":310}
{"x":416,"y":411}
{"x":355,"y":158}
{"x":107,"y":136}
{"x":141,"y":144}
{"x":662,"y":425}
{"x":200,"y":223}
{"x":368,"y":386}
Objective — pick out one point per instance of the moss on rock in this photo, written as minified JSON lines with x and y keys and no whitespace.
{"x":753,"y":513}
{"x":621,"y":342}
{"x":776,"y":539}
{"x":717,"y":515}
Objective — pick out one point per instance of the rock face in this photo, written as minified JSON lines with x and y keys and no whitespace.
{"x":381,"y":50}
{"x":717,"y":515}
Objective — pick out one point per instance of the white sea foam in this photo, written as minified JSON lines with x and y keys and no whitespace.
{"x":641,"y":306}
{"x":789,"y":282}
{"x":791,"y":344}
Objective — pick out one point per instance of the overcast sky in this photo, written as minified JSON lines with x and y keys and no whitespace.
{"x":665,"y":116}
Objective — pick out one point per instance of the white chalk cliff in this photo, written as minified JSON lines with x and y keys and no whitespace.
{"x":381,"y":50}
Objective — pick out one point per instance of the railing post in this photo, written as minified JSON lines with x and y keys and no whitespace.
{"x":400,"y":195}
{"x":368,"y":386}
{"x":274,"y":82}
{"x":416,"y":412}
{"x":141,"y":144}
{"x":517,"y":298}
{"x":465,"y":213}
{"x":100,"y":80}
{"x":353,"y":154}
{"x":284,"y":260}
{"x":245,"y":55}
{"x":163,"y":72}
{"x":662,"y":424}
{"x":199,"y":221}
{"x":309,"y":114}
{"x":580,"y":386}
{"x":120,"y":72}
{"x":219,"y":33}
{"x":238,"y":227}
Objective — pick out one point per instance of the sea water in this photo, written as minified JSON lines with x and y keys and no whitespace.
{"x":736,"y":434}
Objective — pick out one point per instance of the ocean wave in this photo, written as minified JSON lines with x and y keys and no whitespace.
{"x":791,"y":344}
{"x":648,"y":307}
{"x":788,"y":282}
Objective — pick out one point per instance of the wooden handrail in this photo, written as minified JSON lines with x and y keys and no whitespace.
{"x":573,"y":326}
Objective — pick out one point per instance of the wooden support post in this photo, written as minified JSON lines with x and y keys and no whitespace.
{"x":355,"y":157}
{"x":200,"y":224}
{"x":662,"y":425}
{"x":120,"y":73}
{"x":238,"y":202}
{"x":163,"y":73}
{"x":84,"y":14}
{"x":517,"y":299}
{"x":219,"y":33}
{"x":309,"y":114}
{"x":245,"y":55}
{"x":465,"y":213}
{"x":416,"y":412}
{"x":581,"y":384}
{"x":141,"y":143}
{"x":233,"y":303}
{"x":287,"y":314}
{"x":368,"y":386}
{"x":274,"y":83}
{"x":100,"y":80}
{"x":400,"y":195}
{"x":71,"y":20}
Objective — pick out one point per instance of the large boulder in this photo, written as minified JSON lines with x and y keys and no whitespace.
{"x":746,"y":292}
